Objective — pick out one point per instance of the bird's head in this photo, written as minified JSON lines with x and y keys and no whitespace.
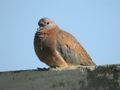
{"x":46,"y":23}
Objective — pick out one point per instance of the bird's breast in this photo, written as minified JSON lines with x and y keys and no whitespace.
{"x":46,"y":40}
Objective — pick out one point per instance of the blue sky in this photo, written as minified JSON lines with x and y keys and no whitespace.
{"x":95,"y":23}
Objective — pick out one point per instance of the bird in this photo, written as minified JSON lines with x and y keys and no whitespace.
{"x":58,"y":48}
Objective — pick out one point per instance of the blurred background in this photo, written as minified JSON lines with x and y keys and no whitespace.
{"x":95,"y":23}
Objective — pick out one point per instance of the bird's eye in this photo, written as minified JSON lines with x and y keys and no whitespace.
{"x":47,"y":22}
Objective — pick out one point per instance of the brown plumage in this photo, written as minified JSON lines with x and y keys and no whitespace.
{"x":58,"y":48}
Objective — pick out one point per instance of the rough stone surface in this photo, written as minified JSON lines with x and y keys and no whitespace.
{"x":105,"y":77}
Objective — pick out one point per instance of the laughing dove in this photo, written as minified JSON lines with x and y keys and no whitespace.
{"x":58,"y":48}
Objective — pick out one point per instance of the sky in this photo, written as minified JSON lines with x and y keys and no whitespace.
{"x":95,"y":24}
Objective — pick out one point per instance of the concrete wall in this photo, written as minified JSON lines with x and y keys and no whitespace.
{"x":106,"y":77}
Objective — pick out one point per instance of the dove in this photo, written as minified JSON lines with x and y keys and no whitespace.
{"x":58,"y":48}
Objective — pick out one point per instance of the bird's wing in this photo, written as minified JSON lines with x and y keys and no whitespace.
{"x":71,"y":50}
